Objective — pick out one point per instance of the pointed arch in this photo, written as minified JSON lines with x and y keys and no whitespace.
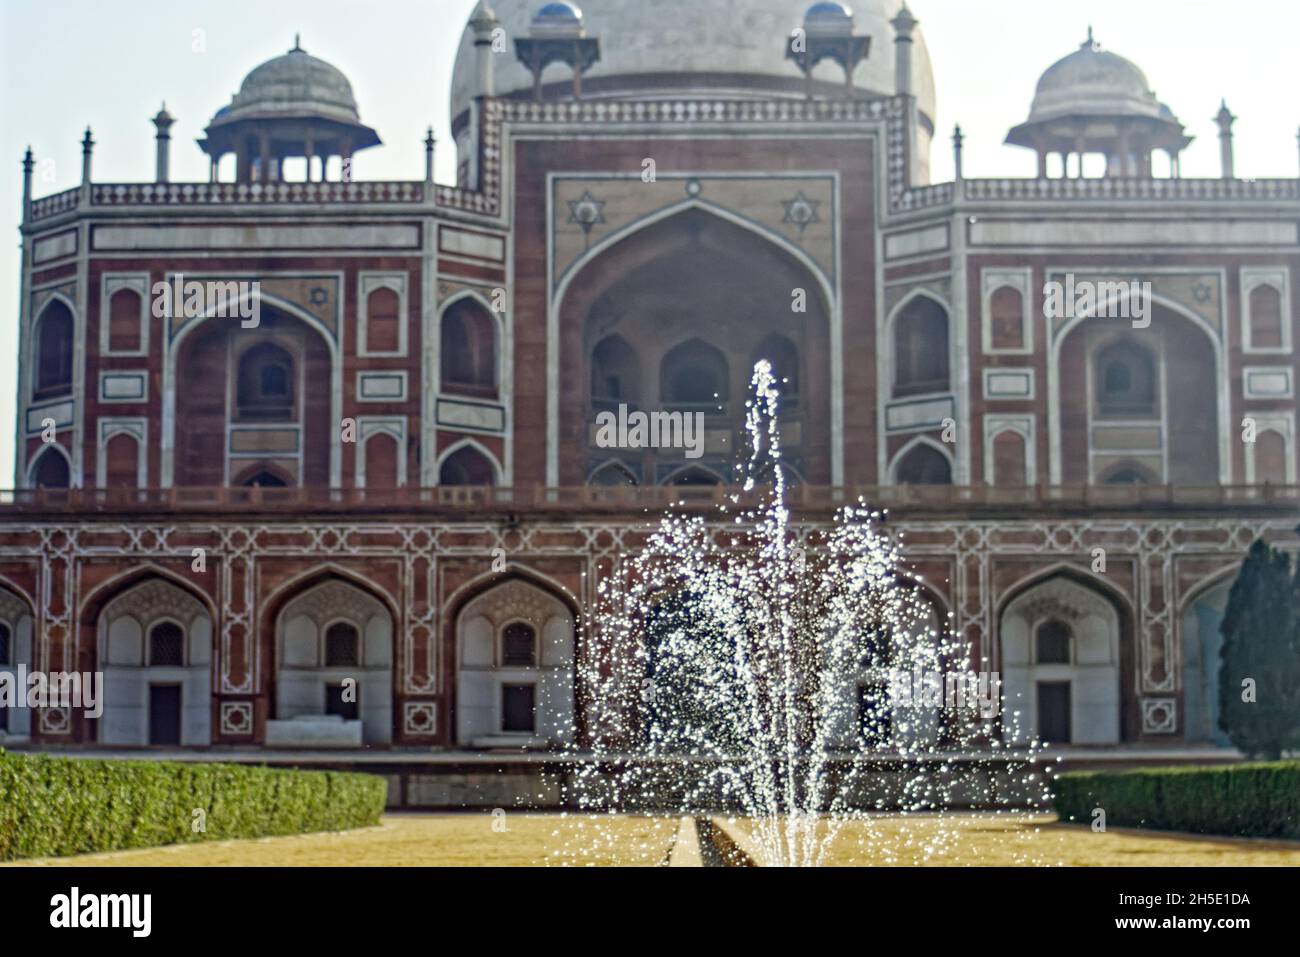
{"x":614,"y":468}
{"x":94,"y":601}
{"x":492,"y":700}
{"x":1209,"y":583}
{"x":307,"y":701}
{"x":1091,"y":698}
{"x":54,"y":348}
{"x":615,"y":373}
{"x":1081,"y":575}
{"x":264,"y":475}
{"x":464,"y":594}
{"x":829,"y":323}
{"x":668,"y":212}
{"x":149,"y":699}
{"x":472,"y":366}
{"x":1057,"y":338}
{"x":172,"y":350}
{"x":474,"y":445}
{"x":42,"y":472}
{"x":915,"y":368}
{"x":19,"y":592}
{"x":693,"y":374}
{"x":286,"y":591}
{"x":688,"y":475}
{"x":918,"y":443}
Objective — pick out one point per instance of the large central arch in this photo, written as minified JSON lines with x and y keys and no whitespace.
{"x":200,"y":392}
{"x":1190,"y":417}
{"x":695,"y":277}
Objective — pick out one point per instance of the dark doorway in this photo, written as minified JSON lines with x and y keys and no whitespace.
{"x":336,"y":704}
{"x":517,"y":704}
{"x":1054,"y":711}
{"x":165,"y":714}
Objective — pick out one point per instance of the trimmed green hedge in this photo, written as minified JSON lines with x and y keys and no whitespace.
{"x":52,"y":807}
{"x":1244,"y":800}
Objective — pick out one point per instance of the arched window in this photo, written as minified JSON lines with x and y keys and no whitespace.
{"x":342,"y":646}
{"x":923,"y":465}
{"x":166,"y":645}
{"x":124,"y":309}
{"x":784,"y":358}
{"x":51,"y":471}
{"x":467,"y":466}
{"x":383,"y":321}
{"x":694,"y":375}
{"x":1052,"y":643}
{"x":612,"y":474}
{"x":1126,"y":381}
{"x":921,"y":348}
{"x":265,"y":383}
{"x":518,"y":646}
{"x":1009,"y":459}
{"x":122,"y":465}
{"x":1007,"y":318}
{"x":469,"y":350}
{"x":54,"y":351}
{"x":615,"y":375}
{"x":1265,"y":317}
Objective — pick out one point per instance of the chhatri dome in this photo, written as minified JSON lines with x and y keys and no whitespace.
{"x":670,"y":48}
{"x":292,"y":105}
{"x":1096,"y":101}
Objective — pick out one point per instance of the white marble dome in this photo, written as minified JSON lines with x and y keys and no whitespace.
{"x":294,"y":84}
{"x":1094,"y":82}
{"x":639,"y":38}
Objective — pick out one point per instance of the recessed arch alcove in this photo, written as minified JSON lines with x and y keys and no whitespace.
{"x":693,"y":281}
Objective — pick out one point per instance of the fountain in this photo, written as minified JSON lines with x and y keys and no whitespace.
{"x":786,"y":674}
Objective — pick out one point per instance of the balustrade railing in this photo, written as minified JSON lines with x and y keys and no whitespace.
{"x":640,"y":498}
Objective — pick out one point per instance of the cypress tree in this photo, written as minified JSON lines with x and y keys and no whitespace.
{"x":1259,"y":671}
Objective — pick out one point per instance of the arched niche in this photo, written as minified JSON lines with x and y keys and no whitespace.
{"x":502,"y":696}
{"x":1070,"y":699}
{"x":1202,"y":642}
{"x":694,"y":285}
{"x":17,"y":636}
{"x":333,"y":668}
{"x":155,"y":651}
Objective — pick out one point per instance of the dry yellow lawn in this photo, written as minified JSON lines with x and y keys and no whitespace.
{"x":1039,"y":840}
{"x":426,"y":840}
{"x":468,"y":839}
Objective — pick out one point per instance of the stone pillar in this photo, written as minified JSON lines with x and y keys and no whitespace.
{"x":263,"y":158}
{"x":1224,"y":120}
{"x":903,"y":25}
{"x":162,"y":164}
{"x":28,"y":165}
{"x":957,"y":140}
{"x":429,"y":144}
{"x":484,"y":23}
{"x":87,"y":151}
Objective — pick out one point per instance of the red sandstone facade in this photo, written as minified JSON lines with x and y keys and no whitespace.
{"x":398,"y":464}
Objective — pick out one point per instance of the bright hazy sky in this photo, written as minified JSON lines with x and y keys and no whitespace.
{"x":66,"y":64}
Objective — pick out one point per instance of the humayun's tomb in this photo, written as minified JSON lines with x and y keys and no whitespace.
{"x":393,"y":475}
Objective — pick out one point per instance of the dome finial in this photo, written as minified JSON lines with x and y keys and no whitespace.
{"x":1090,"y":43}
{"x":297,"y":44}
